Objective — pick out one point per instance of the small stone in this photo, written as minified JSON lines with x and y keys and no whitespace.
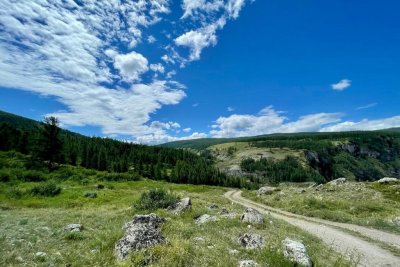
{"x":252,"y":241}
{"x":319,"y":187}
{"x":301,"y":191}
{"x":396,"y":221}
{"x":248,"y":263}
{"x":181,"y":206}
{"x":224,"y":211}
{"x":40,"y":254}
{"x":233,"y":251}
{"x":198,"y":239}
{"x":205,"y":218}
{"x":213,"y":206}
{"x":338,"y":181}
{"x":74,"y":227}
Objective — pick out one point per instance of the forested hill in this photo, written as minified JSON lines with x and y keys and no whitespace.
{"x":174,"y":165}
{"x":203,"y":143}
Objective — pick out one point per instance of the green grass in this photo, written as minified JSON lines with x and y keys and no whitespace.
{"x":368,"y":204}
{"x":35,"y":224}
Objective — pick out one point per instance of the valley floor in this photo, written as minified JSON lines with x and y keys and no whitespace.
{"x":30,"y":225}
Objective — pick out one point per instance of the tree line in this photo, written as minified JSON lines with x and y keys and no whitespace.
{"x":48,"y":144}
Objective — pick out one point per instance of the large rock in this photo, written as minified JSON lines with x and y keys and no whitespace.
{"x":248,"y":263}
{"x":251,"y":241}
{"x":74,"y":227}
{"x":205,"y":218}
{"x":338,"y":181}
{"x":296,"y":252}
{"x":266,"y":190}
{"x":142,"y":232}
{"x":252,"y":216}
{"x":388,"y":180}
{"x":182,"y":205}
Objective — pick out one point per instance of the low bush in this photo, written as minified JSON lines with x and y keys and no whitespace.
{"x":155,"y":199}
{"x":49,"y":189}
{"x":6,"y":176}
{"x":121,"y":177}
{"x":32,"y":176}
{"x":15,"y":193}
{"x":90,"y":194}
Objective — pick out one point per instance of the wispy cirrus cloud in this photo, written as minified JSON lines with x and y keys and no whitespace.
{"x":371,"y":105}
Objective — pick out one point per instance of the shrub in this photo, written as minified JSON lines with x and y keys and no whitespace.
{"x":155,"y":199}
{"x":32,"y":176}
{"x":15,"y":193}
{"x":100,"y":186}
{"x":49,"y":189}
{"x":90,"y":194}
{"x":121,"y":177}
{"x":5,"y":176}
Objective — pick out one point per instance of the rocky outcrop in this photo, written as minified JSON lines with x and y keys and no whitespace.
{"x":319,"y":187}
{"x":296,"y":252}
{"x":252,"y":241}
{"x":266,"y":190}
{"x":74,"y":227}
{"x":181,"y":206}
{"x":252,"y":216}
{"x":142,"y":232}
{"x":388,"y":180}
{"x":338,"y":181}
{"x":205,"y":218}
{"x":248,"y":263}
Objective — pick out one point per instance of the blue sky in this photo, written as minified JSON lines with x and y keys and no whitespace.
{"x":160,"y":70}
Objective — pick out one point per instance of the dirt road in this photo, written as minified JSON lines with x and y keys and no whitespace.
{"x":335,"y":235}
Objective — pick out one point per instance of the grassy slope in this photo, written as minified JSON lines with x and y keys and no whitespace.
{"x":243,"y":151}
{"x":368,"y":204}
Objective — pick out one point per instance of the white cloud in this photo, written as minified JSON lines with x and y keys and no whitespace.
{"x":187,"y":130}
{"x":269,"y":121}
{"x":371,"y":105}
{"x":80,"y":53}
{"x":365,"y":125}
{"x":212,"y":16}
{"x":342,"y":85}
{"x":151,"y":39}
{"x":131,"y":65}
{"x":192,"y":7}
{"x":157,"y":67}
{"x":230,"y":109}
{"x":156,"y":138}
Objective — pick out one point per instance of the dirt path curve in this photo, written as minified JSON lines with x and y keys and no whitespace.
{"x":370,"y":254}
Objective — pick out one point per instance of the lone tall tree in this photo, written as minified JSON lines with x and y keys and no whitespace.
{"x":50,"y":143}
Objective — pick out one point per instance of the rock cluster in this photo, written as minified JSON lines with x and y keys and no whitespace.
{"x":296,"y":252}
{"x":251,"y":241}
{"x":142,"y":232}
{"x":182,"y":205}
{"x":252,"y":216}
